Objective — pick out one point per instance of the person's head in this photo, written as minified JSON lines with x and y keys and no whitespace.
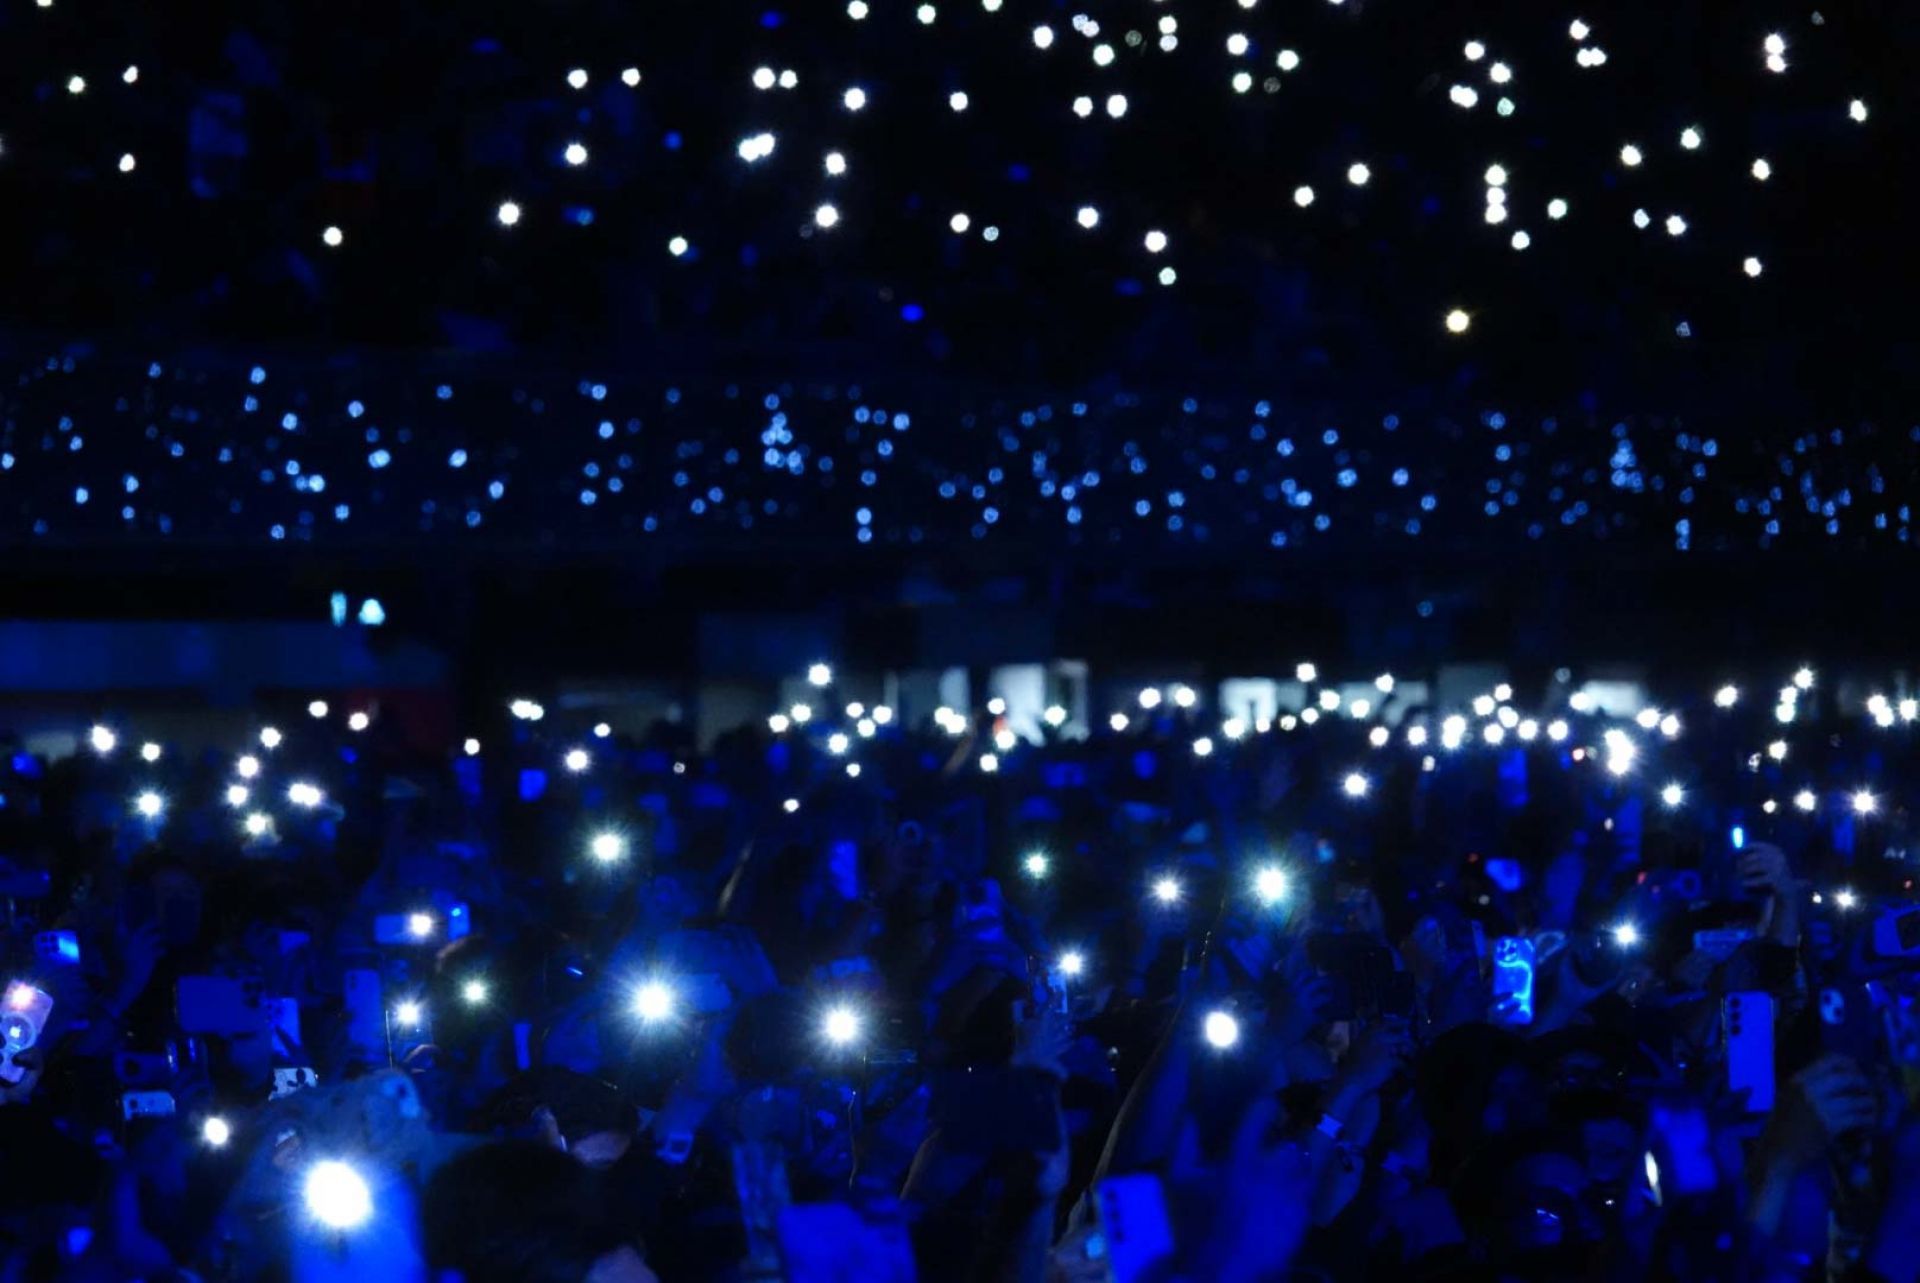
{"x":522,"y":1212}
{"x":1524,"y":1200}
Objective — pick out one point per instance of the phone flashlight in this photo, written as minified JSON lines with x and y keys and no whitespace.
{"x":419,"y":925}
{"x":1167,"y":889}
{"x":474,"y":992}
{"x":653,"y":1002}
{"x":215,"y":1131}
{"x":841,"y":1026}
{"x":608,"y":847}
{"x":301,"y":793}
{"x":1626,"y":935}
{"x":577,"y":760}
{"x":409,"y":1014}
{"x":1355,"y":784}
{"x":337,"y":1196}
{"x":1036,"y":865}
{"x":1221,"y":1030}
{"x":1072,"y":964}
{"x":149,"y":804}
{"x":1270,"y":885}
{"x":102,"y":740}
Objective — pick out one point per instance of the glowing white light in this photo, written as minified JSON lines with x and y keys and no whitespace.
{"x":1036,"y":865}
{"x":577,"y":78}
{"x":1630,"y":156}
{"x":989,"y":763}
{"x":607,"y":847}
{"x":1521,"y":240}
{"x":1474,"y":51}
{"x":102,"y":740}
{"x":408,"y":1013}
{"x":778,"y":723}
{"x":301,"y":793}
{"x":216,"y":1131}
{"x":1673,"y":795}
{"x":1626,"y":935}
{"x":1055,"y":716}
{"x":1762,"y":170}
{"x":1118,"y":722}
{"x":474,"y":992}
{"x":1676,"y":225}
{"x":1355,"y":785}
{"x":256,"y":824}
{"x":337,"y":1196}
{"x":1499,"y":73}
{"x":1865,"y":803}
{"x":248,"y":766}
{"x":1803,"y":679}
{"x":1777,"y":750}
{"x":1270,"y":884}
{"x":1221,"y":1029}
{"x":957,"y":101}
{"x":791,"y":805}
{"x":1556,"y":731}
{"x":1727,"y":696}
{"x":77,"y":84}
{"x":358,"y":721}
{"x":764,"y":78}
{"x":330,"y":237}
{"x":1463,"y":96}
{"x":127,"y":162}
{"x":630,"y":77}
{"x":1774,"y":43}
{"x":1083,"y":106}
{"x":149,"y":804}
{"x":1043,"y":37}
{"x":1072,"y":964}
{"x":508,"y":214}
{"x":1458,"y":321}
{"x":1303,"y":196}
{"x":1857,"y":111}
{"x":1805,"y":800}
{"x":826,"y":216}
{"x":1203,"y":747}
{"x":419,"y":925}
{"x":1670,"y":726}
{"x":1578,"y":29}
{"x":1496,"y":176}
{"x":1166,"y":889}
{"x":1088,"y":217}
{"x":269,"y":737}
{"x":841,"y":1026}
{"x":1556,"y":209}
{"x":575,"y":154}
{"x":1102,"y":55}
{"x":1776,"y":63}
{"x":1358,"y":174}
{"x":1845,"y":898}
{"x":1287,"y":60}
{"x":1648,"y":718}
{"x":653,"y":1001}
{"x":1416,"y":736}
{"x":1237,"y":45}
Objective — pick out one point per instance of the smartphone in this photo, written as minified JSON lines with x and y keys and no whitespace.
{"x":220,"y":1005}
{"x":1896,"y":933}
{"x":1136,"y":1226}
{"x":991,"y":1111}
{"x":366,"y":1015}
{"x":146,"y":1104}
{"x":144,"y":1070}
{"x":289,"y":1079}
{"x":1748,"y":1016}
{"x":23,"y":1016}
{"x":1513,"y":980}
{"x":1680,"y":1159}
{"x":59,"y":947}
{"x":283,"y":1018}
